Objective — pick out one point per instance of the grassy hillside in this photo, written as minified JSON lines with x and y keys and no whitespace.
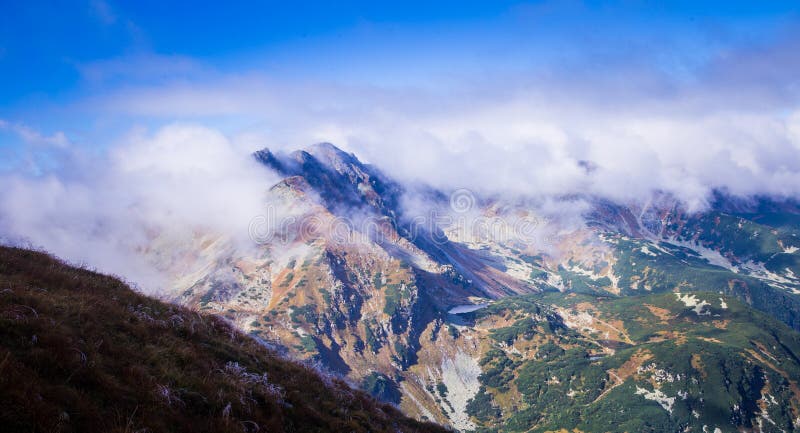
{"x":692,"y":361}
{"x":81,"y":352}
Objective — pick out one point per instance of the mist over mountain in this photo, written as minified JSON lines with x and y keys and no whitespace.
{"x":410,"y":291}
{"x":105,"y":209}
{"x":508,"y":216}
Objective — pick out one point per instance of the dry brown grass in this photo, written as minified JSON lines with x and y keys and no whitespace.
{"x":662,"y":314}
{"x":81,"y":352}
{"x":620,"y":375}
{"x":697,"y":364}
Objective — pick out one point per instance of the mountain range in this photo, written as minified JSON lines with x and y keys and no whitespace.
{"x":488,"y":312}
{"x":493,"y":313}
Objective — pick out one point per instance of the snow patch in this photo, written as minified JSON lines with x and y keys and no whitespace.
{"x":646,"y":251}
{"x":659,"y":375}
{"x":694,"y":302}
{"x":790,"y":274}
{"x":759,"y":271}
{"x":711,"y":256}
{"x":556,"y":281}
{"x":585,"y":272}
{"x":658,"y":397}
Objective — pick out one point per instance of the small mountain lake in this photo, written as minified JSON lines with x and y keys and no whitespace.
{"x":461,"y":309}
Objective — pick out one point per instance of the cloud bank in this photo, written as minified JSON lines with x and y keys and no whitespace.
{"x":104,"y":210}
{"x":621,"y":129}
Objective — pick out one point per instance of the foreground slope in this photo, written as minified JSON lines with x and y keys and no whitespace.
{"x":80,"y":351}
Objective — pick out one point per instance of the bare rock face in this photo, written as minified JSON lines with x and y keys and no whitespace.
{"x":349,"y":276}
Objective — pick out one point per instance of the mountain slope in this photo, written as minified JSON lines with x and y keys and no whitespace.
{"x":691,"y":361}
{"x":80,"y":351}
{"x":352,"y":277}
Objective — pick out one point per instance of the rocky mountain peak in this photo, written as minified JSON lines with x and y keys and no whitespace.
{"x":332,"y":155}
{"x":343,"y":182}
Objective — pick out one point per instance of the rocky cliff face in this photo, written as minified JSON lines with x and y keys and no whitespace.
{"x":588,"y":300}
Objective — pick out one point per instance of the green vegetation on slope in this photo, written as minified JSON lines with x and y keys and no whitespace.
{"x":660,"y":362}
{"x":678,"y":267}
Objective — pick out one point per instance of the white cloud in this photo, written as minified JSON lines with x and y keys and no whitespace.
{"x":730,"y":124}
{"x":102,"y":211}
{"x":621,"y":131}
{"x":32,"y":136}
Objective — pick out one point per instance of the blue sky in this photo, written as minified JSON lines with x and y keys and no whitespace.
{"x":44,"y":45}
{"x":88,"y":73}
{"x":118,"y":117}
